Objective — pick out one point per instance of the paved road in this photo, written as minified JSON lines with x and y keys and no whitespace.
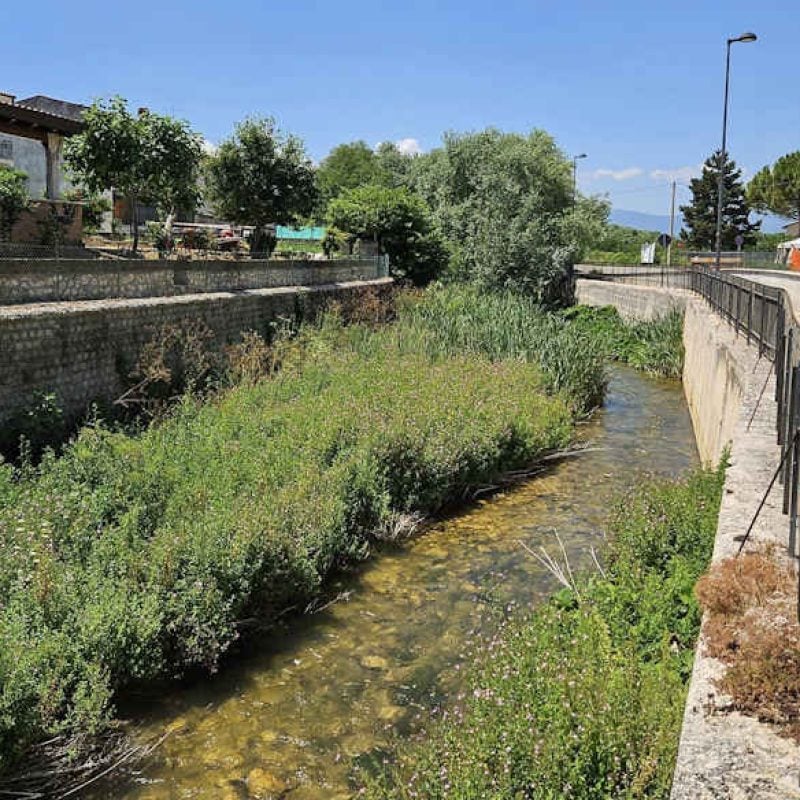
{"x":785,"y":281}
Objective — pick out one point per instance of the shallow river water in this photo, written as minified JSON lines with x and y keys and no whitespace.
{"x":292,"y":716}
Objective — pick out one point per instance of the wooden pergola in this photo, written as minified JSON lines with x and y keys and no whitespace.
{"x":50,"y":129}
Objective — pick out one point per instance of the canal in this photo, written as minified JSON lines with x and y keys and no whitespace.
{"x":293,"y":715}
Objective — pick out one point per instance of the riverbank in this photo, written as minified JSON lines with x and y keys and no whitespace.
{"x":132,"y":558}
{"x":584,"y":698}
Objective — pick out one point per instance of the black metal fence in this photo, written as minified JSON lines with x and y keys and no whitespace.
{"x":766,"y":316}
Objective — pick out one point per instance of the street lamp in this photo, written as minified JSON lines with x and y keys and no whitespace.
{"x":575,"y":177}
{"x":745,"y":37}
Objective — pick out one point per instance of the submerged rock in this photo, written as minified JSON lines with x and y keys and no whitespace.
{"x":264,"y":785}
{"x":374,"y":662}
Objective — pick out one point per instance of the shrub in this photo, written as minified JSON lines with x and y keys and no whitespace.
{"x":14,"y":199}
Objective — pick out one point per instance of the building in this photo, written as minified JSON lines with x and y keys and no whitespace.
{"x":32,"y":133}
{"x":792,"y":230}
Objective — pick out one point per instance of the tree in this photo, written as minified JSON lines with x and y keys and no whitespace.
{"x":700,"y":217}
{"x":147,"y":158}
{"x":259,"y":177}
{"x":504,"y":204}
{"x":14,"y":199}
{"x":399,"y":222}
{"x":347,"y":166}
{"x":394,"y":167}
{"x":776,"y":189}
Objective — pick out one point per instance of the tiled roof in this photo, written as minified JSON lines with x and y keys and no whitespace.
{"x":53,"y":107}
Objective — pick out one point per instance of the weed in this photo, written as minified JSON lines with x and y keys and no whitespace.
{"x":752,"y":627}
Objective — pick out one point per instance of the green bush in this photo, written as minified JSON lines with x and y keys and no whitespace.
{"x":131,"y":558}
{"x":583,"y":699}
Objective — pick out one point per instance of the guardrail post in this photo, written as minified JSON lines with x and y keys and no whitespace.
{"x":793,"y":468}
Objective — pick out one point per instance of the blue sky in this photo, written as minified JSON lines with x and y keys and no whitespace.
{"x":635,"y":85}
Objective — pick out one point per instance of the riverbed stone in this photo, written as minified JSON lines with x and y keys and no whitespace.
{"x":264,"y":785}
{"x":374,"y":662}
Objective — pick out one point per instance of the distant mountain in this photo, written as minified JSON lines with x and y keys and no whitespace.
{"x":644,"y":222}
{"x":660,"y":222}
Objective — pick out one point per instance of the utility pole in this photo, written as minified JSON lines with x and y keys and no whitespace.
{"x":671,"y":225}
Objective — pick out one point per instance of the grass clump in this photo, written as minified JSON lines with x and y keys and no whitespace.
{"x":655,"y":347}
{"x":131,"y":558}
{"x":584,"y":698}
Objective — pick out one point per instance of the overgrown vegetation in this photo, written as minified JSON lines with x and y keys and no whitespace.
{"x":584,"y":698}
{"x":131,"y":558}
{"x":752,"y":627}
{"x":655,"y":346}
{"x":454,"y":320}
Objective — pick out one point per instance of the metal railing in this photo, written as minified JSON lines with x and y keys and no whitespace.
{"x":766,"y":316}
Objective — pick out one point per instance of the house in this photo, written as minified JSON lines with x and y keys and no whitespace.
{"x":792,"y":230}
{"x":32,"y":133}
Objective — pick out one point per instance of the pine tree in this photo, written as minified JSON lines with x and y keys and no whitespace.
{"x":700,"y":218}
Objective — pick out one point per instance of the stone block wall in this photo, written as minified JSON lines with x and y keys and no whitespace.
{"x":84,"y":352}
{"x":49,"y":281}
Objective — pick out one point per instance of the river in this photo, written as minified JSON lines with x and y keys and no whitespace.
{"x":296,"y":711}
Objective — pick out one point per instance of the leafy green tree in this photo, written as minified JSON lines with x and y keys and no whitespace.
{"x":394,"y":167}
{"x":14,"y":199}
{"x":400,"y":223}
{"x":147,"y":158}
{"x":261,"y":176}
{"x":700,"y":216}
{"x":347,"y":166}
{"x":504,"y":204}
{"x":776,"y":189}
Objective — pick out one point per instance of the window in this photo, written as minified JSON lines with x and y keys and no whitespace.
{"x":6,"y":150}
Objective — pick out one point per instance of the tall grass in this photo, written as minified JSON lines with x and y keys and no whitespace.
{"x":462,"y":320}
{"x":131,"y":558}
{"x":584,"y":698}
{"x":655,"y":346}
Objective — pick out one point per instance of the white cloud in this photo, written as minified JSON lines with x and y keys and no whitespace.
{"x":209,"y":148}
{"x":680,"y":174}
{"x":617,"y":174}
{"x":408,"y":147}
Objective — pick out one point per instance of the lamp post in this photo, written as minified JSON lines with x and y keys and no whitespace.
{"x":575,"y":177}
{"x":745,"y":37}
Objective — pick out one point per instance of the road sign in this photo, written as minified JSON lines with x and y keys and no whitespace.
{"x":664,"y":239}
{"x":739,"y":240}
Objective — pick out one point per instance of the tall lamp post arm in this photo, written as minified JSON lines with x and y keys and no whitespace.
{"x":745,"y":37}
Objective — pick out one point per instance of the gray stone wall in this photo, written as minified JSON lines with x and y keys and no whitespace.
{"x":84,"y":351}
{"x":24,"y":281}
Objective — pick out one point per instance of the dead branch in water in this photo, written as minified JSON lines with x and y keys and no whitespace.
{"x":63,"y":766}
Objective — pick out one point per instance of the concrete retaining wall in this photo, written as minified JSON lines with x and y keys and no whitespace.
{"x":714,"y":380}
{"x":84,"y":352}
{"x":632,"y":302}
{"x":50,"y":281}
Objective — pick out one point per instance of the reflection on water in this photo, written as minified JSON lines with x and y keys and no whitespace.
{"x":291,"y":718}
